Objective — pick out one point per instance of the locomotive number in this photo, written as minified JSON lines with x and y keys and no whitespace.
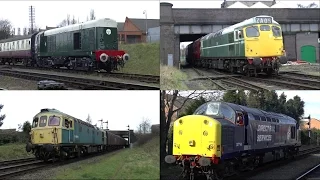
{"x":264,"y":20}
{"x":264,"y":138}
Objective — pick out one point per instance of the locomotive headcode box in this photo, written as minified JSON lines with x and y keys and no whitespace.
{"x":264,"y":20}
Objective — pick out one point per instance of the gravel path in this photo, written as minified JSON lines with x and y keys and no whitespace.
{"x":11,"y":83}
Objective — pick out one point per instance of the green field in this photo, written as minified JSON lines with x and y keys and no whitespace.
{"x":144,"y":58}
{"x":136,"y":163}
{"x":172,"y":78}
{"x":13,"y":151}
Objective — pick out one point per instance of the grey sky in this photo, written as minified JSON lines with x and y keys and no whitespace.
{"x":217,"y":4}
{"x":120,"y":108}
{"x":51,"y":13}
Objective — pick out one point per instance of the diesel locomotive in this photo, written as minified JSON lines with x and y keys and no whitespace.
{"x":221,"y":139}
{"x":249,"y":47}
{"x":56,"y":135}
{"x":86,"y":46}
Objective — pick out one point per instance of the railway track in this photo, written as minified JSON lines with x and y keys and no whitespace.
{"x":136,"y":77}
{"x":17,"y":167}
{"x":274,"y":164}
{"x":313,"y":173}
{"x":78,"y":82}
{"x":287,"y":80}
{"x":228,"y":79}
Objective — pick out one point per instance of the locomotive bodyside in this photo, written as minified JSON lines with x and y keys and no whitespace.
{"x":57,"y":135}
{"x":222,"y":138}
{"x":252,"y":46}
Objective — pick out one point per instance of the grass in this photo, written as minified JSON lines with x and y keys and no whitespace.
{"x":172,"y":78}
{"x":13,"y":151}
{"x":136,"y":163}
{"x":144,"y":58}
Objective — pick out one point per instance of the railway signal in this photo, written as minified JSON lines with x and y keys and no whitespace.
{"x":309,"y":128}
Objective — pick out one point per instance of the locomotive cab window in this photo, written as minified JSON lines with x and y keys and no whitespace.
{"x":43,"y":121}
{"x":252,"y":31}
{"x":264,"y":28}
{"x":276,"y":31}
{"x":227,"y":113}
{"x":77,"y":41}
{"x":35,"y":122}
{"x":213,"y":108}
{"x":54,"y":121}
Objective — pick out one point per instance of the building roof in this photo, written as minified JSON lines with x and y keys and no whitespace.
{"x":141,"y":23}
{"x":120,"y":26}
{"x":248,"y":3}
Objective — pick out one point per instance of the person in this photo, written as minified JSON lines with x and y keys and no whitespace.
{"x":239,"y":119}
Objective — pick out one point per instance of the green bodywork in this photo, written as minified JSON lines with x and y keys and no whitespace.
{"x":91,"y":39}
{"x":222,"y":45}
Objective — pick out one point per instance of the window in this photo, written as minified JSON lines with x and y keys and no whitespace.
{"x":257,"y":118}
{"x":54,"y":121}
{"x":263,"y":118}
{"x":268,"y":119}
{"x":35,"y":122}
{"x":252,"y":31}
{"x":293,"y":132}
{"x":213,"y":108}
{"x":76,"y":41}
{"x":264,"y":28}
{"x":43,"y":121}
{"x":276,"y":31}
{"x":70,"y":124}
{"x":227,"y":112}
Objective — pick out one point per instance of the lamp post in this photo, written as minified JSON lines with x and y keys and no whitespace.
{"x":107,"y":124}
{"x":145,"y":12}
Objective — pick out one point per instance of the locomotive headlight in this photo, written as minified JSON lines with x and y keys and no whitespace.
{"x":191,"y":143}
{"x":104,"y":57}
{"x":125,"y":57}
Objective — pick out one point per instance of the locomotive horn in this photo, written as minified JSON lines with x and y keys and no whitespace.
{"x":104,"y":57}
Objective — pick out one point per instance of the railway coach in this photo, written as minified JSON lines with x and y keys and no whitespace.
{"x":85,"y":46}
{"x":249,"y":47}
{"x":55,"y":134}
{"x":221,"y":139}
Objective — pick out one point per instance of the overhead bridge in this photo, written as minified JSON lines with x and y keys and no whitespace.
{"x":300,"y":26}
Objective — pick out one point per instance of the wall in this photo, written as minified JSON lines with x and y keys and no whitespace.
{"x":303,"y":39}
{"x":314,"y":124}
{"x":153,"y":34}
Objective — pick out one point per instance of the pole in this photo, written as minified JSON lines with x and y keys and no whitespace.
{"x":128,"y":135}
{"x":145,"y":12}
{"x":107,"y":124}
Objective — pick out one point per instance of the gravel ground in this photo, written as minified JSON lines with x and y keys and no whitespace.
{"x":312,"y":69}
{"x":290,"y":171}
{"x":53,"y":172}
{"x":11,"y":83}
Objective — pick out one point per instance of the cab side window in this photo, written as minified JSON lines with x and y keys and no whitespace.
{"x":35,"y":122}
{"x":43,"y":121}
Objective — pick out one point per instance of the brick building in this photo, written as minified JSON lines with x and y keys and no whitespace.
{"x":315,"y":123}
{"x":134,"y":30}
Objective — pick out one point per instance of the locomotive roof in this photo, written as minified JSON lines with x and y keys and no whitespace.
{"x":106,"y":22}
{"x":16,"y":38}
{"x":238,"y":25}
{"x":282,"y":118}
{"x":55,"y":111}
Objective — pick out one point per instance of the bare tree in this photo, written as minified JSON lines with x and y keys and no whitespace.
{"x":89,"y":120}
{"x":312,"y":5}
{"x":68,"y":21}
{"x":92,"y":15}
{"x":5,"y":29}
{"x":25,"y":31}
{"x":87,"y":18}
{"x":145,"y":126}
{"x":19,"y":31}
{"x":73,"y":21}
{"x":2,"y":117}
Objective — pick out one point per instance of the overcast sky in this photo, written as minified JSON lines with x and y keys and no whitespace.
{"x":311,"y":99}
{"x":51,"y":13}
{"x":120,"y":108}
{"x":217,"y":4}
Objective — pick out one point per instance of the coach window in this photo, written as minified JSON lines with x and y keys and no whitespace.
{"x":77,"y":41}
{"x":264,"y":28}
{"x":43,"y":121}
{"x":293,"y":132}
{"x":263,"y":118}
{"x":252,"y":31}
{"x":276,"y":31}
{"x":35,"y":122}
{"x":54,"y":121}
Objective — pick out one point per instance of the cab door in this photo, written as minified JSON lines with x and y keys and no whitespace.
{"x":239,"y":131}
{"x":71,"y":130}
